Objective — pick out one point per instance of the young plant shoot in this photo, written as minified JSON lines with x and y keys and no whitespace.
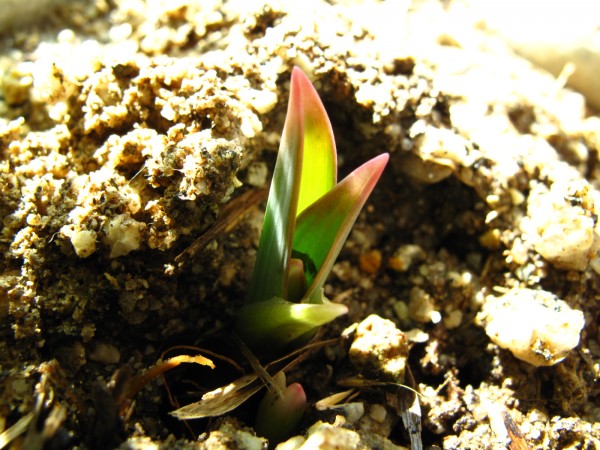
{"x":308,"y":218}
{"x":278,"y":416}
{"x":307,"y":221}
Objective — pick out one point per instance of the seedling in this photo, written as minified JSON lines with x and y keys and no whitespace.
{"x":307,"y":221}
{"x":278,"y":416}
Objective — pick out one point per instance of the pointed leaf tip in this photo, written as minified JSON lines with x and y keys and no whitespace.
{"x":306,"y":169}
{"x":322,"y":229}
{"x":319,"y":162}
{"x":270,"y":275}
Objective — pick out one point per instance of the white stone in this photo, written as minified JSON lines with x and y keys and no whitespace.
{"x":84,"y":242}
{"x":569,"y":243}
{"x":322,"y":436}
{"x":123,"y":235}
{"x":378,"y":413}
{"x":379,"y":347}
{"x":421,"y":307}
{"x":561,"y":223}
{"x":453,"y":319}
{"x":535,"y":326}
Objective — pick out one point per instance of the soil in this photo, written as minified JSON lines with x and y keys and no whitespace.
{"x":127,"y":127}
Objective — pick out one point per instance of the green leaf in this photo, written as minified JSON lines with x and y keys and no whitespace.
{"x":323,"y":227}
{"x":305,"y":170}
{"x":270,"y":326}
{"x":269,"y":278}
{"x":319,"y":163}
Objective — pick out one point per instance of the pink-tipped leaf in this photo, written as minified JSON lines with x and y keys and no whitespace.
{"x":319,"y":164}
{"x":305,"y":170}
{"x":323,"y":227}
{"x":269,"y":278}
{"x":278,"y":418}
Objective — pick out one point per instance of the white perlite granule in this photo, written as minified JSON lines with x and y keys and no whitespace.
{"x":535,"y":326}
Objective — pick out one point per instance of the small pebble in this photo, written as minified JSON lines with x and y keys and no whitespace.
{"x":106,"y":354}
{"x":84,"y":242}
{"x":401,"y":310}
{"x":535,"y":326}
{"x":405,"y":257}
{"x":370,"y":262}
{"x":378,"y":413}
{"x":123,"y":235}
{"x":453,"y":319}
{"x":379,"y":349}
{"x":421,"y":307}
{"x":562,"y":223}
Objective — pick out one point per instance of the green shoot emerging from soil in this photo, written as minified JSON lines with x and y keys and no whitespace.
{"x":307,"y":221}
{"x":308,"y":218}
{"x":278,"y":416}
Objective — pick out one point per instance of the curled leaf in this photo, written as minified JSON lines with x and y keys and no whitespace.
{"x":270,"y":326}
{"x":278,"y":416}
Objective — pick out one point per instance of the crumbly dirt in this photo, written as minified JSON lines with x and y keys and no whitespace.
{"x":126,"y":126}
